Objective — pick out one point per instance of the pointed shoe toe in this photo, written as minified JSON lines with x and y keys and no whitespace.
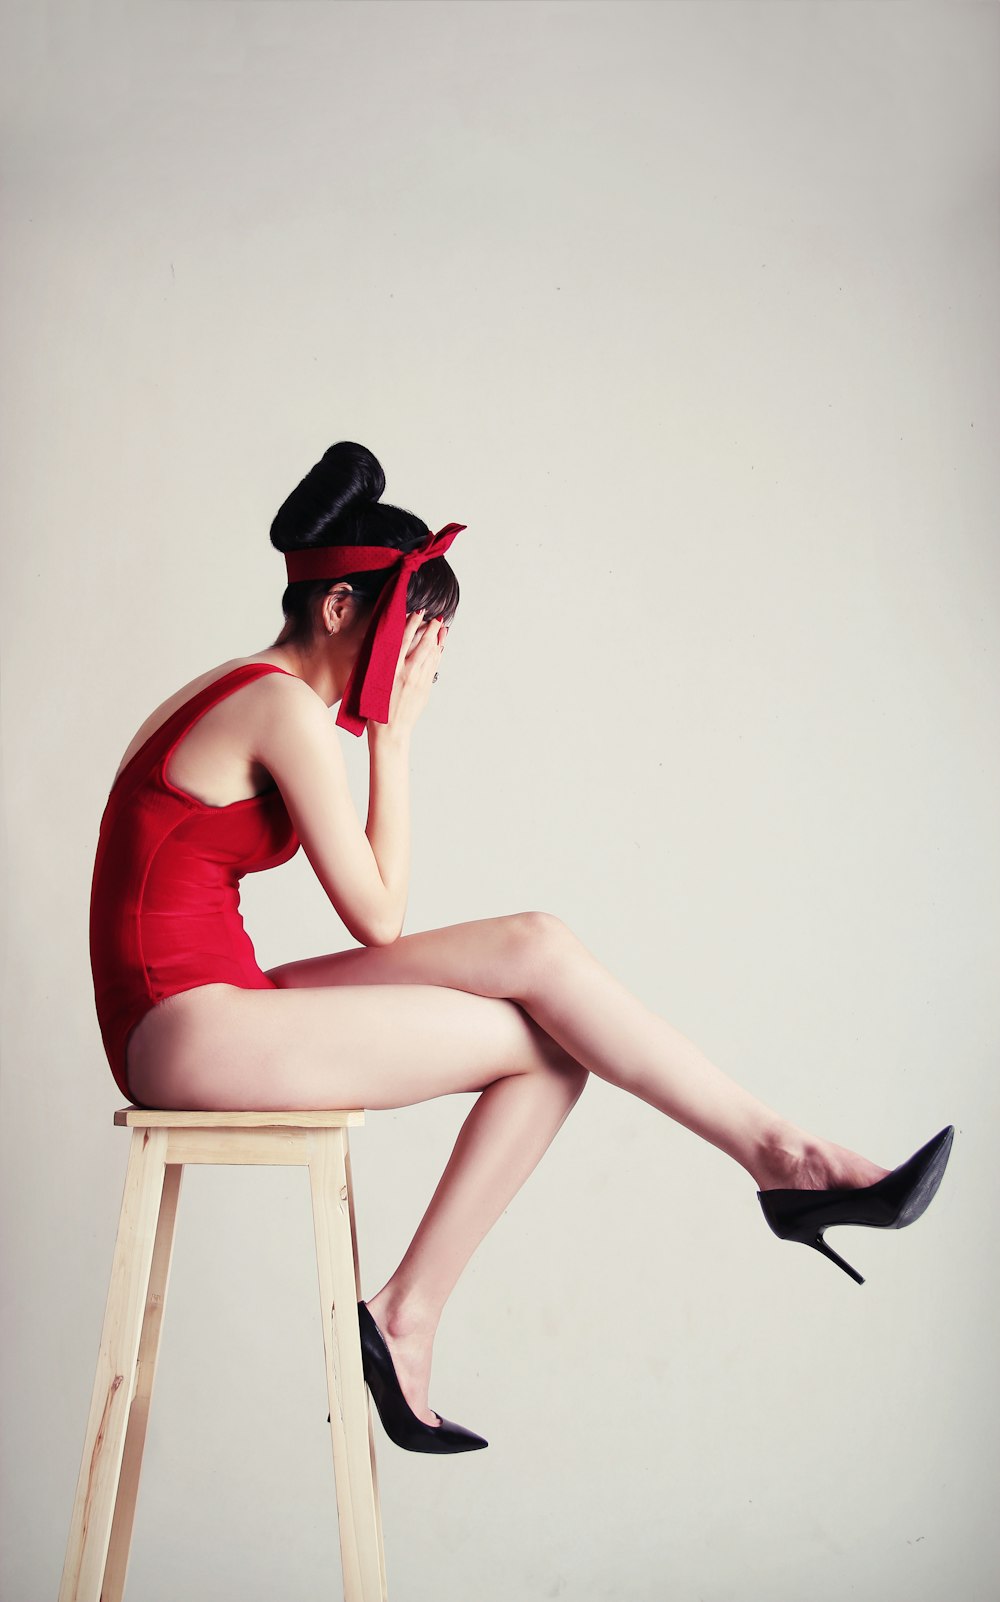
{"x":449,"y":1437}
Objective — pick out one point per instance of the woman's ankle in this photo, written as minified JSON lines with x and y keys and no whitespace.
{"x":781,"y":1154}
{"x":789,"y":1158}
{"x":403,"y":1315}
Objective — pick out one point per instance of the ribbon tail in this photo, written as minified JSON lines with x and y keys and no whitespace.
{"x":382,"y":653}
{"x":368,"y":690}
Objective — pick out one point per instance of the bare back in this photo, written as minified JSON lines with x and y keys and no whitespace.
{"x":213,"y":761}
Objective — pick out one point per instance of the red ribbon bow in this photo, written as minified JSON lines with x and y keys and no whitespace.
{"x":369,"y":688}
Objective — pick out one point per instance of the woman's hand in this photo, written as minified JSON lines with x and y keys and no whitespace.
{"x":419,"y":656}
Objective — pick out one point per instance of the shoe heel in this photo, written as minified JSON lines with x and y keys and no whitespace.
{"x":828,"y":1251}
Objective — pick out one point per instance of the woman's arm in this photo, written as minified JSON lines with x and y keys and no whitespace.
{"x":364,"y":871}
{"x":297,"y":743}
{"x":388,"y":825}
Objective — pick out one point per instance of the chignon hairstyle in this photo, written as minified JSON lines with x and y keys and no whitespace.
{"x":338,"y":503}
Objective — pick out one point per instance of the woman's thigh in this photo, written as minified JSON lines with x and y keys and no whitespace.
{"x":498,"y":957}
{"x":373,"y":1046}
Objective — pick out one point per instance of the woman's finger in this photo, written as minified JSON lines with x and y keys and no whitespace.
{"x":431,"y":657}
{"x":413,"y":622}
{"x":425,"y":656}
{"x":433,"y":638}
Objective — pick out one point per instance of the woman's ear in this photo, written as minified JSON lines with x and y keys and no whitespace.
{"x":339,"y":608}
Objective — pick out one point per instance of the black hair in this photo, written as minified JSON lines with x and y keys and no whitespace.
{"x":338,"y":503}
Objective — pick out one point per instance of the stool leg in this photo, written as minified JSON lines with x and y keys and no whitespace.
{"x":357,"y":1297}
{"x":149,"y":1344}
{"x":104,"y":1444}
{"x":358,"y":1509}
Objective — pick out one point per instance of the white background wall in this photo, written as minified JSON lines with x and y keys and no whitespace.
{"x":690,"y":314}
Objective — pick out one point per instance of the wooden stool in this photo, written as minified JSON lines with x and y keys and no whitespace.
{"x":162,"y":1142}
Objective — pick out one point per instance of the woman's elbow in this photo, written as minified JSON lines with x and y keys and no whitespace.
{"x":382,"y":934}
{"x":369,"y":928}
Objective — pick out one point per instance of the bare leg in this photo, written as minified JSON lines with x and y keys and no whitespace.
{"x":535,"y":959}
{"x":511,"y":1124}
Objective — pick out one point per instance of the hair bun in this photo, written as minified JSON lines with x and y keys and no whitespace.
{"x":349,"y":476}
{"x":346,"y":481}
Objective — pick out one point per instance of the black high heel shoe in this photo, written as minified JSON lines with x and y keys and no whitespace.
{"x":894,"y":1200}
{"x":399,"y":1421}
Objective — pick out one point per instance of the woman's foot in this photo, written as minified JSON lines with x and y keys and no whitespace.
{"x":411,"y":1342}
{"x":791,"y":1159}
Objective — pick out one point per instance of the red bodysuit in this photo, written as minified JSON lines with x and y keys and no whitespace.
{"x":164,"y":905}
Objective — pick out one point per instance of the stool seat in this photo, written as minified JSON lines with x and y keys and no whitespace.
{"x":158,"y":1118}
{"x":163,"y":1141}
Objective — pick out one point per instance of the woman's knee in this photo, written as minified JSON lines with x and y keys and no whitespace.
{"x":575,"y":1076}
{"x":571,"y":1075}
{"x":539,"y":939}
{"x":547,"y":1056}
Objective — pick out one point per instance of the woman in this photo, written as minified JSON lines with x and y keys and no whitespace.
{"x":239,"y":768}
